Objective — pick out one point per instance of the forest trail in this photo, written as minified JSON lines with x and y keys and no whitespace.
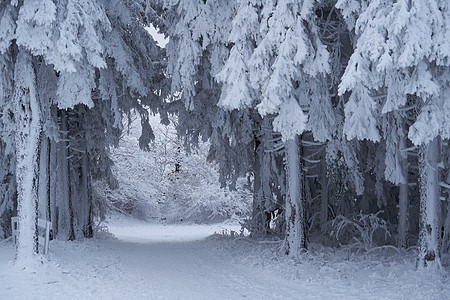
{"x":147,"y":261}
{"x":184,"y":265}
{"x":157,"y":261}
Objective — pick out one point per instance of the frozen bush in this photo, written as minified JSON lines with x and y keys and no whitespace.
{"x":361,"y":231}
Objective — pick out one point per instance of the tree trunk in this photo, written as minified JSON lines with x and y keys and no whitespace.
{"x":429,"y":256}
{"x":446,"y":230}
{"x":85,"y":216}
{"x":324,"y":198}
{"x":70,"y":193}
{"x":64,"y":214}
{"x":403,"y":198}
{"x":258,"y":229}
{"x":48,"y":185}
{"x":265,"y":172}
{"x":53,"y":183}
{"x":295,"y":239}
{"x":402,"y":215}
{"x":262,"y":196}
{"x":44,"y":180}
{"x":27,"y":136}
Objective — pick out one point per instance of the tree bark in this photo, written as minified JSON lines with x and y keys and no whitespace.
{"x":49,"y":177}
{"x":402,"y":215}
{"x":295,"y":239}
{"x":258,"y":217}
{"x":53,"y":182}
{"x":44,"y":180}
{"x":429,"y":256}
{"x":28,"y":128}
{"x":324,"y":198}
{"x":262,"y":196}
{"x":64,"y":214}
{"x":403,"y":198}
{"x":446,"y":231}
{"x":85,"y":200}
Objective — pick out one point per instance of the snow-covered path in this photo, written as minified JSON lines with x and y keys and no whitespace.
{"x":151,"y":261}
{"x":156,"y":261}
{"x":192,"y":270}
{"x":178,"y":262}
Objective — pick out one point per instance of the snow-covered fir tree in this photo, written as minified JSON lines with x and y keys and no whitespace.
{"x":65,"y":80}
{"x":288,"y":67}
{"x":335,"y":111}
{"x":401,"y":57}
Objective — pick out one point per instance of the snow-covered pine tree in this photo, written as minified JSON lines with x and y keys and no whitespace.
{"x":288,"y":68}
{"x":196,"y":52}
{"x":61,"y":75}
{"x":239,"y":98}
{"x":399,"y":49}
{"x":7,"y":127}
{"x":394,"y":127}
{"x":446,"y":185}
{"x":339,"y":174}
{"x":133,"y":79}
{"x":33,"y":36}
{"x":198,"y":46}
{"x":396,"y":167}
{"x":237,"y":92}
{"x":72,"y":44}
{"x":27,"y":141}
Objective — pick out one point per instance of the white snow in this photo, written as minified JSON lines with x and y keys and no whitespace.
{"x":180,"y":261}
{"x":160,"y":39}
{"x":136,"y":231}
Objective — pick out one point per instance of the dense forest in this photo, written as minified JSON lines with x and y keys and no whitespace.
{"x":337,"y":112}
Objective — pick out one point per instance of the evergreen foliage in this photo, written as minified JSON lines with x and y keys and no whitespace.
{"x":332,"y":109}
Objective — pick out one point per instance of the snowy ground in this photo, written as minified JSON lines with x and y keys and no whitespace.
{"x":157,"y":261}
